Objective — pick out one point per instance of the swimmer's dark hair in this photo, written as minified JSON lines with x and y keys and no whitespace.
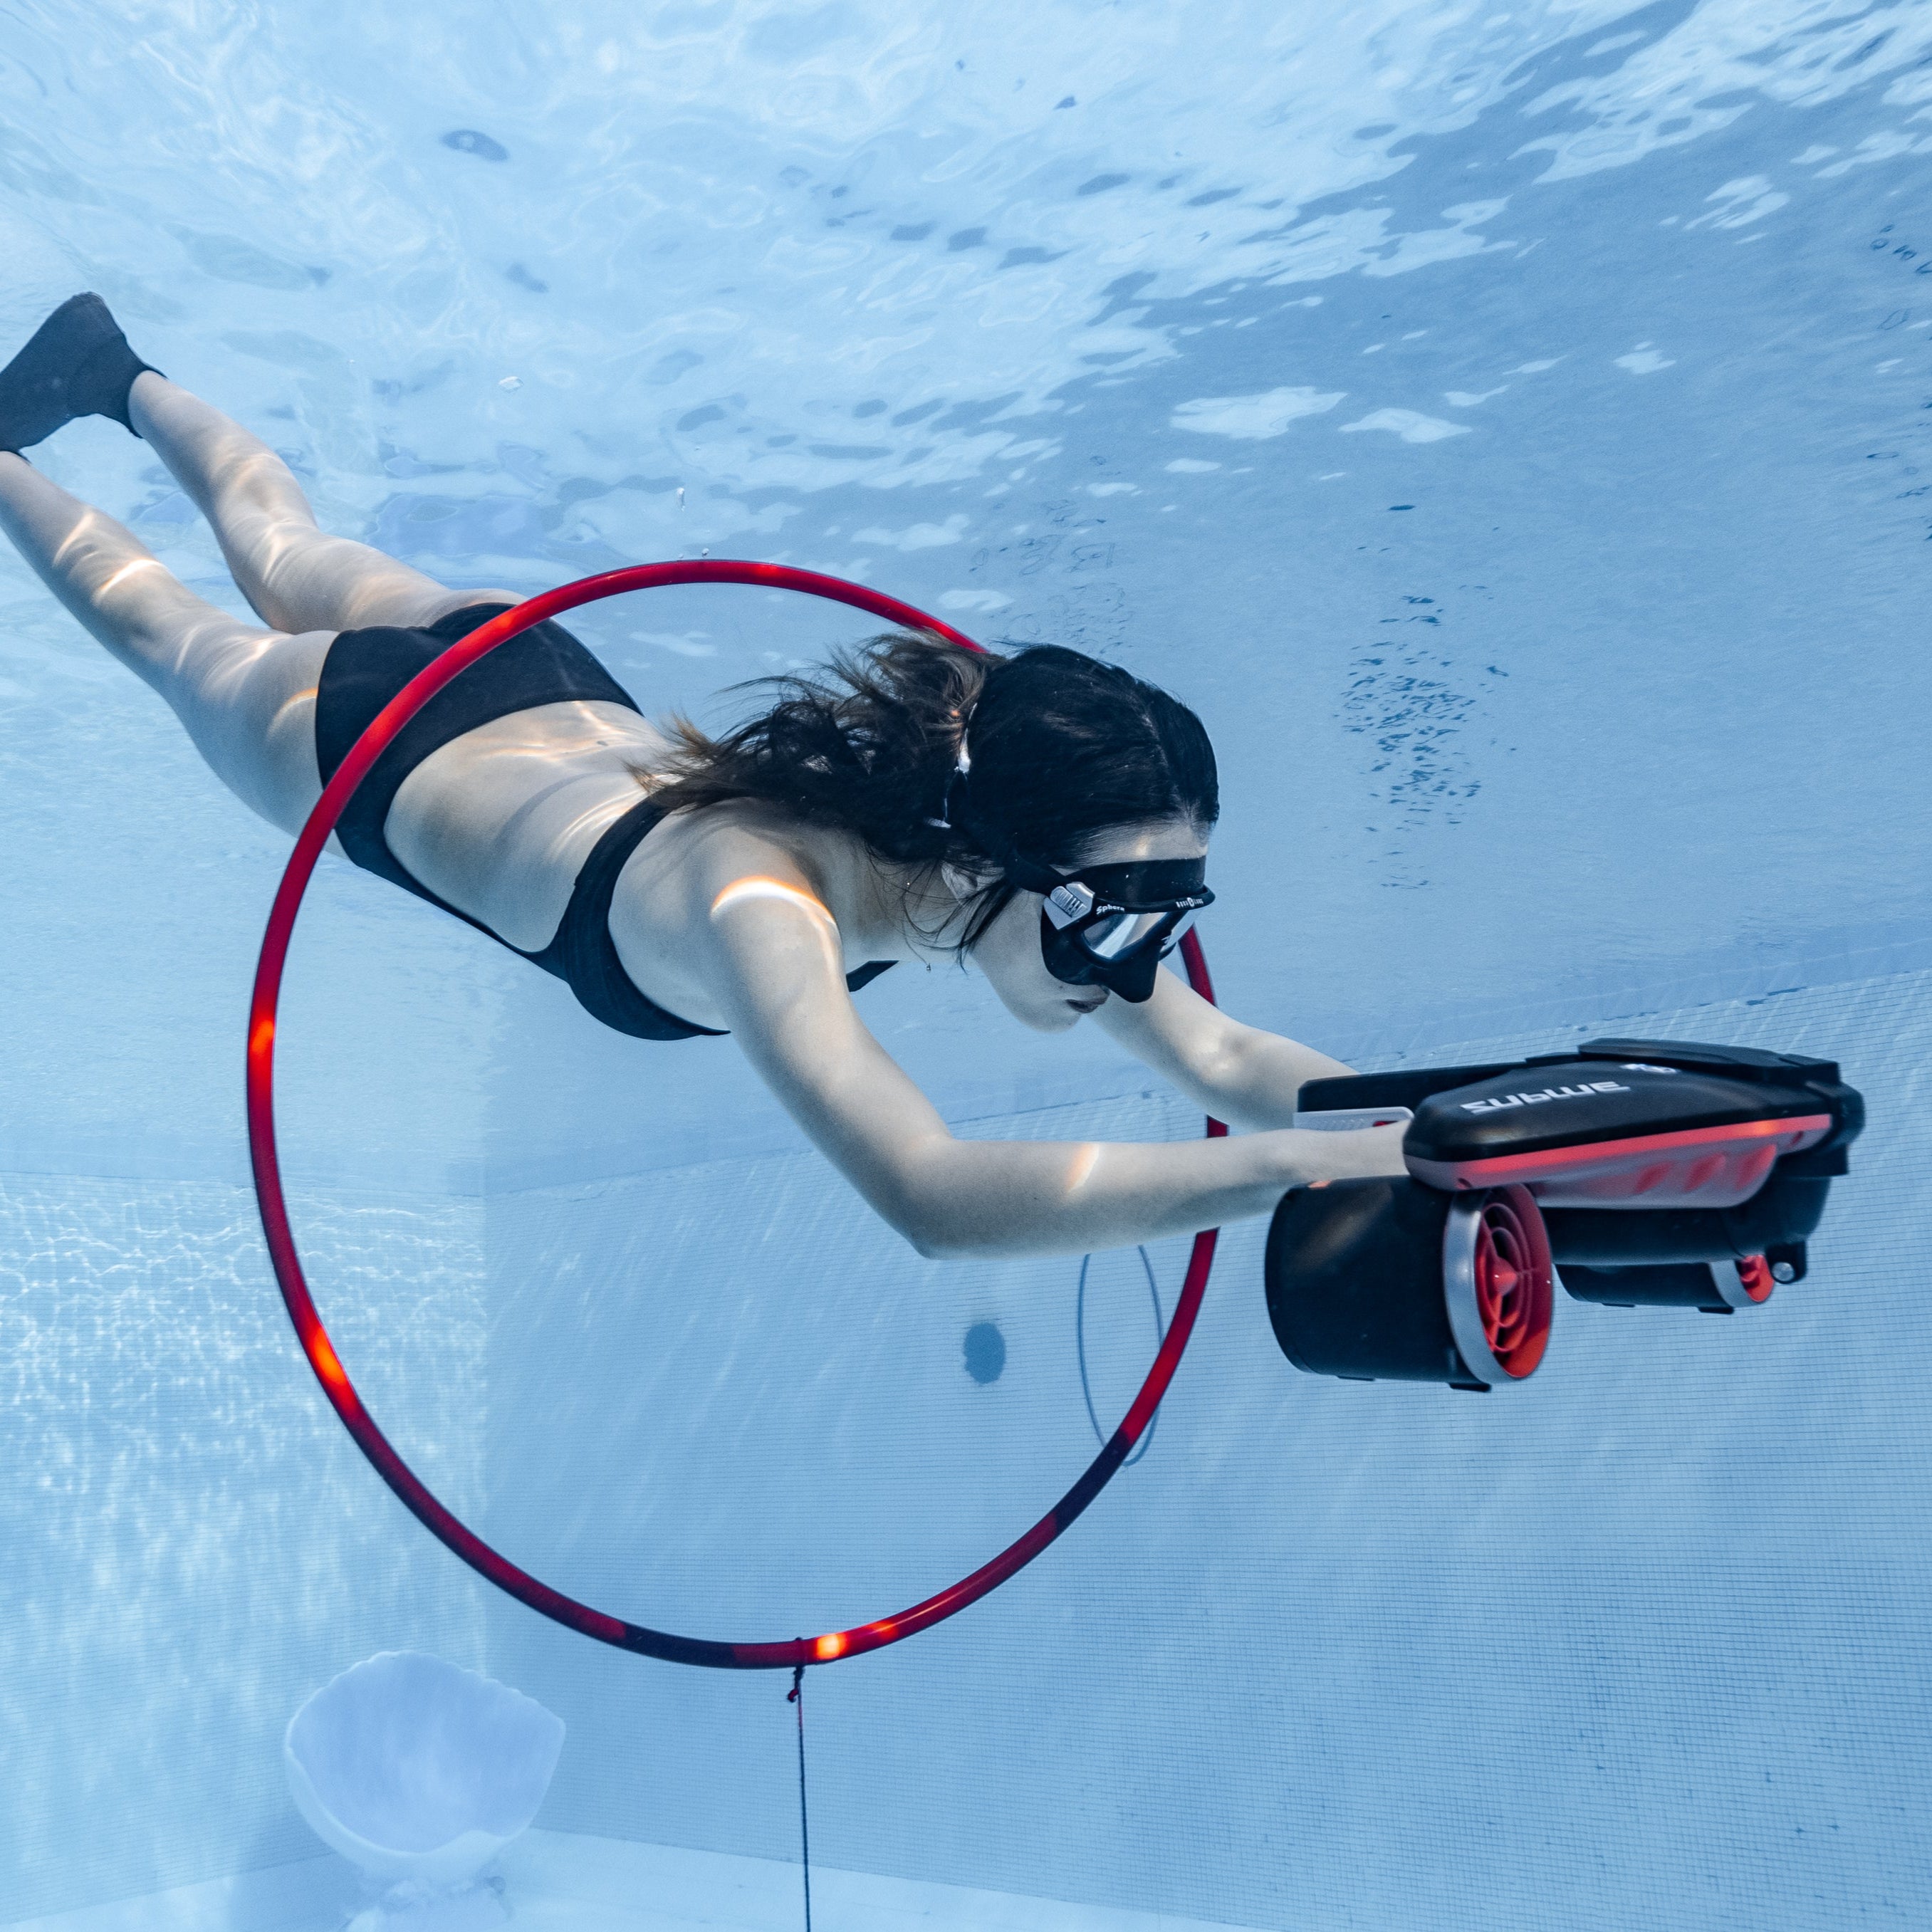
{"x":1062,"y":748}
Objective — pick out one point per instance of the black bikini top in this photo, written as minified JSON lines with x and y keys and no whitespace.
{"x":584,"y":956}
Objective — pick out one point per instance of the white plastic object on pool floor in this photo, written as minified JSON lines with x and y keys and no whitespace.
{"x":417,"y":1770}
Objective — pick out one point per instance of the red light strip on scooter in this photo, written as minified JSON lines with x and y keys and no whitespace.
{"x":1660,"y":1167}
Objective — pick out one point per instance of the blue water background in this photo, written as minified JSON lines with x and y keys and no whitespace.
{"x":1508,"y":427}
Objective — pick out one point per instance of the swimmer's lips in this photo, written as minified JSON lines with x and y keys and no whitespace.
{"x":1593,"y":1134}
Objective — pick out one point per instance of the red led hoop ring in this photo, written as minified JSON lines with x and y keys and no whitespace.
{"x":382,"y":1454}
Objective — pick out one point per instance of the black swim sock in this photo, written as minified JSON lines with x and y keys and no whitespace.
{"x":77,"y":363}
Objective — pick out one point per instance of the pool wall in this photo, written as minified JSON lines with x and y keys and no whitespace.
{"x":1639,"y":1641}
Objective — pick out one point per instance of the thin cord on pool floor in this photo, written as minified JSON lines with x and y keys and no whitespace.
{"x":1080,"y":1348}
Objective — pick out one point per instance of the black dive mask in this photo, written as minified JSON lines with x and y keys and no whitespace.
{"x":1112,"y":926}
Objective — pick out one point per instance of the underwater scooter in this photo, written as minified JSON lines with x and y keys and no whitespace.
{"x":1629,"y":1172}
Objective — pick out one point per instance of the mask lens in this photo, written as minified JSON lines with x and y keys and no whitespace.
{"x":1119,"y":934}
{"x":1106,"y":938}
{"x":1179,"y":931}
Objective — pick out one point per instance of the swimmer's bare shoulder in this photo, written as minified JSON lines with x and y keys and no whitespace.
{"x":717,"y":895}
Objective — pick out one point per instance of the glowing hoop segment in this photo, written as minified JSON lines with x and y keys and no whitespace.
{"x":383,"y":1456}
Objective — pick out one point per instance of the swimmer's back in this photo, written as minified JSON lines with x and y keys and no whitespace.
{"x":519,"y":799}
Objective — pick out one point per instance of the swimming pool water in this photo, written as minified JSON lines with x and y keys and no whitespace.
{"x":1509,"y":426}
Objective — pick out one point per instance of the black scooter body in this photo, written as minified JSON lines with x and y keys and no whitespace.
{"x":1652,"y":1173}
{"x":1618,"y":1122}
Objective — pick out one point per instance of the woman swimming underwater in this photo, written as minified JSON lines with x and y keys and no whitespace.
{"x":1042,"y":813}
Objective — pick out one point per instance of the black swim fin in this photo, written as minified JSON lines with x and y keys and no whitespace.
{"x":77,"y":363}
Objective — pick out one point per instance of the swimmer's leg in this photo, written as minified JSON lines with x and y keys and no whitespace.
{"x":246,"y":694}
{"x":296,"y":576}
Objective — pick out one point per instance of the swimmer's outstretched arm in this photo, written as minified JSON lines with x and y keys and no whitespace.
{"x":775,"y":960}
{"x":1240,"y":1074}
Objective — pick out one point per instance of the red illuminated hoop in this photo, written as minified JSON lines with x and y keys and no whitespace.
{"x":314,"y":1338}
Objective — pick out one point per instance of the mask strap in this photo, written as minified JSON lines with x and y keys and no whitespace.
{"x":956,"y":784}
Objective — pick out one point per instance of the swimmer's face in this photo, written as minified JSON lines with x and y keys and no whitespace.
{"x":1008,"y":951}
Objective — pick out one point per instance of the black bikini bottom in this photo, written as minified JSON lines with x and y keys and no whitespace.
{"x":546,"y":665}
